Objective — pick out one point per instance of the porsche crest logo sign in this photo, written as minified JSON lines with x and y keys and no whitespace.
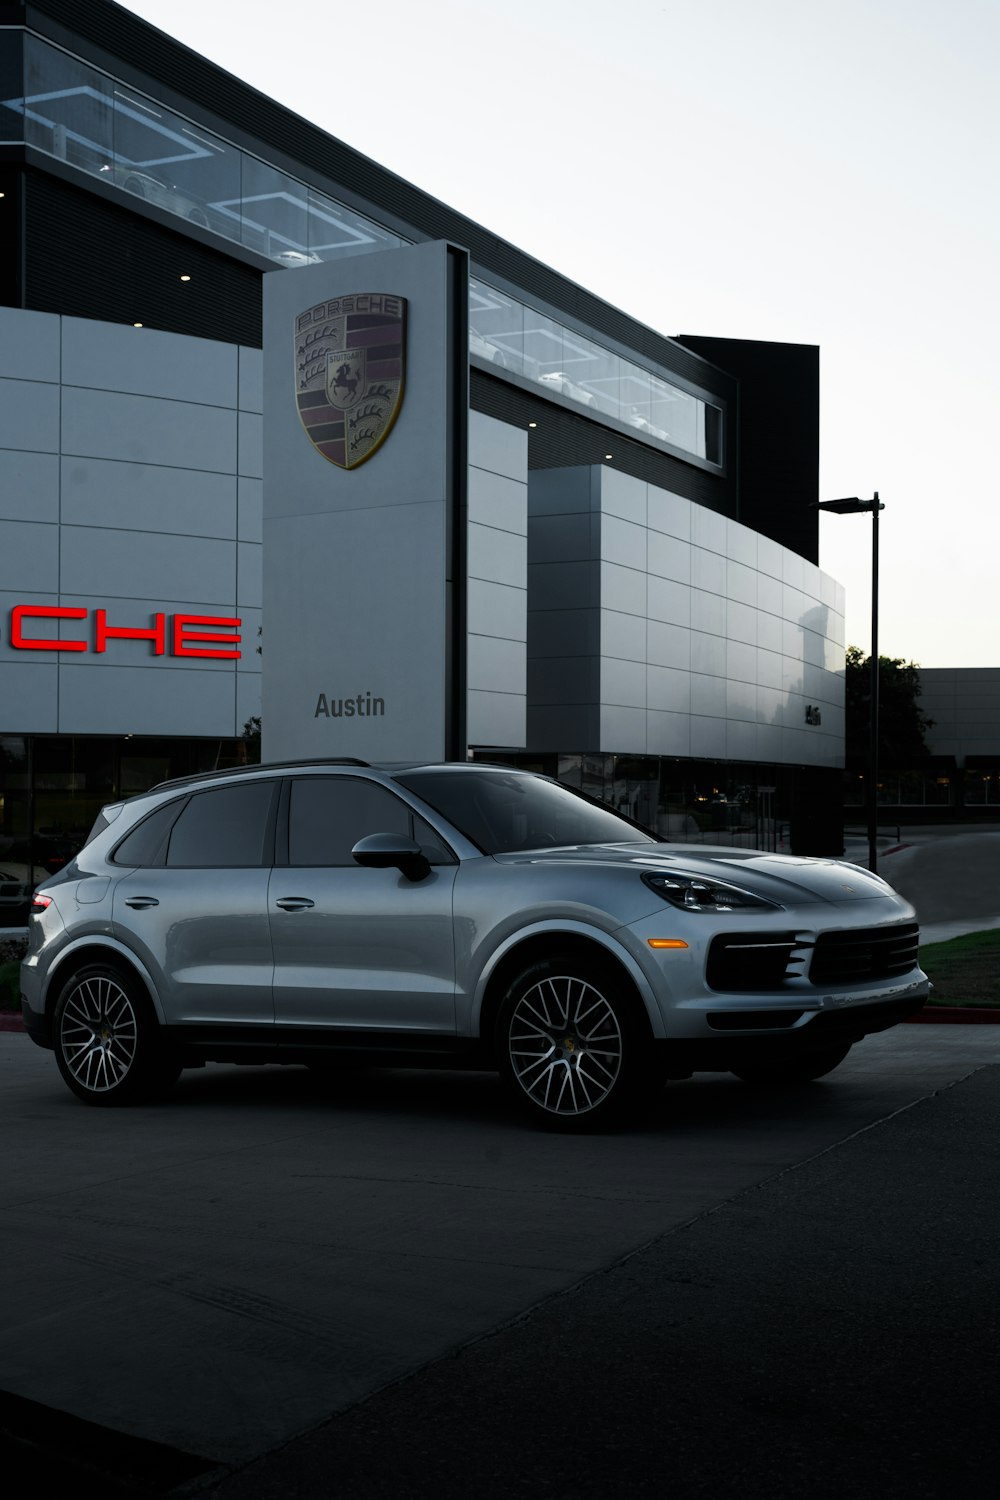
{"x":350,"y":360}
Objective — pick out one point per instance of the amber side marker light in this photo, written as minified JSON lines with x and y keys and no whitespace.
{"x":666,"y":942}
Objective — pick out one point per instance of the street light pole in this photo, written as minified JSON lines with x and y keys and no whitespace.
{"x":847,"y":507}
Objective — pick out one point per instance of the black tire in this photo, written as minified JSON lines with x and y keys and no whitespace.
{"x":107,"y":1041}
{"x":786,"y":1072}
{"x":573,"y":1047}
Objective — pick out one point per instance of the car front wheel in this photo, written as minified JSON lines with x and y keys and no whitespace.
{"x":570,"y":1045}
{"x":107,"y":1041}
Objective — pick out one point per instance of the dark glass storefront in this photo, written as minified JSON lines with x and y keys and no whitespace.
{"x":53,"y":787}
{"x":786,"y":809}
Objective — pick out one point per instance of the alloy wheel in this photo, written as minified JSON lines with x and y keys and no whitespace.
{"x":565,"y":1045}
{"x":98,"y":1033}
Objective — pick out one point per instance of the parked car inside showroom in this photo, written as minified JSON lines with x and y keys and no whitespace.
{"x":328,"y":911}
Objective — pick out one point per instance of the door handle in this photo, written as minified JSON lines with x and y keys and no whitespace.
{"x":294,"y":903}
{"x":139,"y":903}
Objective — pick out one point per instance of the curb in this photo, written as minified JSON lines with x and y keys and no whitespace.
{"x":11,"y":1023}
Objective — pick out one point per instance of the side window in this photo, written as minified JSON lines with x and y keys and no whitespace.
{"x":224,"y":828}
{"x":144,"y":845}
{"x":328,"y":814}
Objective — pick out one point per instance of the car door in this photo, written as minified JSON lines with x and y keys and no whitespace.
{"x":365,"y":949}
{"x":195,"y":908}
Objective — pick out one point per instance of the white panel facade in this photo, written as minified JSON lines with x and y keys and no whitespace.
{"x":129,"y":482}
{"x":672,"y":630}
{"x":497,"y":583}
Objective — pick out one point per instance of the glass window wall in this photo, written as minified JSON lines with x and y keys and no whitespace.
{"x":131,"y":142}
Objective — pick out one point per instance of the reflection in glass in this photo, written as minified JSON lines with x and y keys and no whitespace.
{"x":595,"y":370}
{"x":496,"y":327}
{"x":67,"y":107}
{"x":270,"y":214}
{"x":335,"y":230}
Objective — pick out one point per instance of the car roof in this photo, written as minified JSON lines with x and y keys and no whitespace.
{"x":321,"y":762}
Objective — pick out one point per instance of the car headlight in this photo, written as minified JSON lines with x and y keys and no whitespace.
{"x":701,"y":893}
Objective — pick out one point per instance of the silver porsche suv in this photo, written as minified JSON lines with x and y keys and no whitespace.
{"x":327,"y":911}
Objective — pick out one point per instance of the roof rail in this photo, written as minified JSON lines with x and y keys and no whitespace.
{"x":283,"y":765}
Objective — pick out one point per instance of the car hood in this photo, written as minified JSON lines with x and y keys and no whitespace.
{"x":785,"y":878}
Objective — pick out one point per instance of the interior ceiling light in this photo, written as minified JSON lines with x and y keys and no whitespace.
{"x":185,"y":278}
{"x":136,"y":325}
{"x":609,"y":455}
{"x":532,"y":424}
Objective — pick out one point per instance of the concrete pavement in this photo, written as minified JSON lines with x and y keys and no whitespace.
{"x":221,"y":1274}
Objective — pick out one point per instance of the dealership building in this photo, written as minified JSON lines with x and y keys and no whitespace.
{"x":286,"y":442}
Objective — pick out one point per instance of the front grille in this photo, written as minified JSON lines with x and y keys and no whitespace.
{"x":742,"y":962}
{"x":866,"y":953}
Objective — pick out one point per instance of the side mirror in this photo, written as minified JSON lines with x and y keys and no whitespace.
{"x":383,"y":851}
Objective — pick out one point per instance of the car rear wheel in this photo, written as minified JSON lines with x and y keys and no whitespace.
{"x":571,"y":1046}
{"x":107,"y":1041}
{"x":787,"y":1071}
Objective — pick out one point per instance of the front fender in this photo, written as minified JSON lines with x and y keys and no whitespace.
{"x":556,"y":929}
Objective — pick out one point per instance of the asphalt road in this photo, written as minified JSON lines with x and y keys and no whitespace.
{"x":385,"y":1285}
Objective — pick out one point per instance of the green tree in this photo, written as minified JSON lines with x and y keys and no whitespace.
{"x":902,"y":724}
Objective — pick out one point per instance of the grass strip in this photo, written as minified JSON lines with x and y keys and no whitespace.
{"x":965,"y":970}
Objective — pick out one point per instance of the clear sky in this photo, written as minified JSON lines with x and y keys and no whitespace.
{"x":818,"y":171}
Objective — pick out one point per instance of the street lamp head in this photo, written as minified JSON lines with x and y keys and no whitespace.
{"x":850,"y":506}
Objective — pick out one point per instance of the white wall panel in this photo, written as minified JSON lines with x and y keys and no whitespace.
{"x":148,"y":498}
{"x":708,"y":529}
{"x":622,"y":635}
{"x":623,"y":588}
{"x":708,"y":738}
{"x":251,"y":379}
{"x":29,"y":556}
{"x":132,"y":700}
{"x":496,"y":665}
{"x":109,"y":564}
{"x":250,"y":509}
{"x":623,"y":683}
{"x":708,"y":571}
{"x":623,"y":496}
{"x":498,"y":556}
{"x":496,"y":718}
{"x":148,"y":362}
{"x":497,"y":609}
{"x":29,"y":696}
{"x":249,"y":580}
{"x":668,"y":557}
{"x":668,"y":513}
{"x":29,"y":485}
{"x":668,"y":601}
{"x":29,"y":416}
{"x":668,"y":733}
{"x":496,"y":500}
{"x":669,"y":688}
{"x":250,"y":445}
{"x":622,"y":542}
{"x":29,"y":345}
{"x":498,"y":446}
{"x":148,"y":429}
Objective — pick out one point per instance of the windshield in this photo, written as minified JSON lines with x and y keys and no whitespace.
{"x":504,"y":811}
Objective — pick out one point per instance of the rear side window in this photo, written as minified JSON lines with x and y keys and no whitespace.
{"x":144,"y":845}
{"x":225,"y":828}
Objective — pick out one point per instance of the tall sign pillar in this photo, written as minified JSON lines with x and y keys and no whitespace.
{"x":365,"y":475}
